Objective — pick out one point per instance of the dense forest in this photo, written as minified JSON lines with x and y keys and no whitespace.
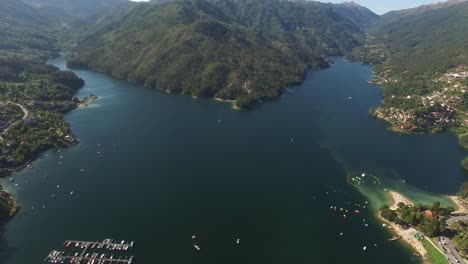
{"x":246,"y":50}
{"x":33,"y":96}
{"x":421,"y":58}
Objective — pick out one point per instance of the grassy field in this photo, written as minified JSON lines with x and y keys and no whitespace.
{"x":435,"y":257}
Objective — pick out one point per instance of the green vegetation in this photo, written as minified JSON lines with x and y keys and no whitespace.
{"x":46,"y":93}
{"x":428,"y":219}
{"x":6,"y":205}
{"x":421,"y":58}
{"x":33,"y":96}
{"x":463,"y":140}
{"x":464,"y":163}
{"x":82,"y":8}
{"x":246,"y":51}
{"x":464,"y":191}
{"x":434,"y":255}
{"x":461,"y":237}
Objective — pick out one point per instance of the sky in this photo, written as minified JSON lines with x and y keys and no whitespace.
{"x":383,"y":6}
{"x":378,"y":6}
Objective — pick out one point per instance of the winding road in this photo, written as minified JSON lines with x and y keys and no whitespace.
{"x":450,"y":251}
{"x":25,"y":115}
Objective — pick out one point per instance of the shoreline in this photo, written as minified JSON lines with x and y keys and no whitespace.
{"x":65,"y":143}
{"x":232,"y":102}
{"x":462,"y":206}
{"x":406,"y":235}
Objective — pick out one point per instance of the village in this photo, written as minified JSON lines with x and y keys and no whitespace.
{"x":436,"y":112}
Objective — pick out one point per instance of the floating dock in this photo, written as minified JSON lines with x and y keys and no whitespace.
{"x":99,"y":252}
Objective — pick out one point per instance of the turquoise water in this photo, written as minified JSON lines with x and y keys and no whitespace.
{"x":174,"y":167}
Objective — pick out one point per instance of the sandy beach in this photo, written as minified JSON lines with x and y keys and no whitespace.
{"x":462,"y":206}
{"x":406,"y":235}
{"x":397,"y":198}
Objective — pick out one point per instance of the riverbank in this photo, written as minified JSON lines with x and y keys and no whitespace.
{"x":462,"y":205}
{"x":8,"y":200}
{"x":408,"y":235}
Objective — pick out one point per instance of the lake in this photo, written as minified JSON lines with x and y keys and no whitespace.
{"x":173,"y":167}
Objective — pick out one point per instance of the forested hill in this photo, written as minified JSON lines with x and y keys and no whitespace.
{"x":358,"y":14}
{"x":432,"y":41}
{"x":28,"y":36}
{"x":26,"y":30}
{"x":393,"y":16}
{"x":245,"y":50}
{"x":422,"y":65}
{"x":78,"y":8}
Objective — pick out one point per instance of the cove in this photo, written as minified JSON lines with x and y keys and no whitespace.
{"x":174,"y":167}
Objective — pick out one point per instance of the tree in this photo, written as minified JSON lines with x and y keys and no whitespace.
{"x":387,"y":213}
{"x":464,"y":191}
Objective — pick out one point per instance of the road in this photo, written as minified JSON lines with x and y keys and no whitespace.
{"x":454,"y":219}
{"x":25,"y":115}
{"x":446,"y":243}
{"x":452,"y":254}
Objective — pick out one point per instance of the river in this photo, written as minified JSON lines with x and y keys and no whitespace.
{"x":173,"y":167}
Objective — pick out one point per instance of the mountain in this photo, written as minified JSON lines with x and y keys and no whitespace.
{"x":79,"y":8}
{"x":358,"y":14}
{"x":429,"y":41}
{"x":416,"y":54}
{"x":26,"y":29}
{"x":392,"y":16}
{"x":241,"y":50}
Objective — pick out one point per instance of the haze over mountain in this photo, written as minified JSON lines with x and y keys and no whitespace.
{"x":398,"y":14}
{"x":80,"y":8}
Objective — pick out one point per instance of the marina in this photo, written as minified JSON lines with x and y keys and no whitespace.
{"x":85,"y":256}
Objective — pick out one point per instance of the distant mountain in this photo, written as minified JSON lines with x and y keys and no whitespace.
{"x":392,"y":16}
{"x":79,"y":8}
{"x":432,"y":40}
{"x":26,"y":29}
{"x":358,"y":14}
{"x":243,"y":50}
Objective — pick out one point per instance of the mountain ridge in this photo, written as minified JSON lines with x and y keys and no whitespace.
{"x":242,"y":50}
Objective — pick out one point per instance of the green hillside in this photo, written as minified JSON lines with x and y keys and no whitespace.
{"x":80,"y":8}
{"x":242,"y":50}
{"x":28,"y":36}
{"x":422,"y":60}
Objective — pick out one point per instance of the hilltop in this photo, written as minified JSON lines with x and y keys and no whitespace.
{"x":243,"y":50}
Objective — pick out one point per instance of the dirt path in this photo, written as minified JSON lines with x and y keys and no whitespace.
{"x":25,"y":115}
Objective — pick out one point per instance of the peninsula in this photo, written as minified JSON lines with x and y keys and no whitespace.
{"x":433,"y":231}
